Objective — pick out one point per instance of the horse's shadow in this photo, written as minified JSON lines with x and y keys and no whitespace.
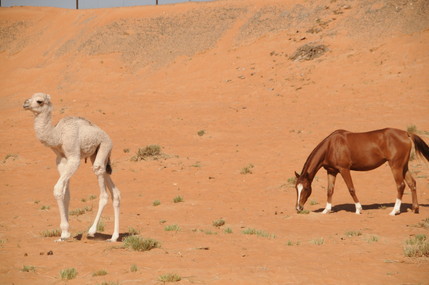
{"x":378,"y":206}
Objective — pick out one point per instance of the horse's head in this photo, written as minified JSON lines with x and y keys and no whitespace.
{"x":303,"y":190}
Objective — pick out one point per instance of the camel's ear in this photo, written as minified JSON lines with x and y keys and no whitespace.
{"x":296,"y":174}
{"x":48,"y":98}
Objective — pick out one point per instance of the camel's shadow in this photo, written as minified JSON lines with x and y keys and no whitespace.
{"x":101,"y":237}
{"x":378,"y":206}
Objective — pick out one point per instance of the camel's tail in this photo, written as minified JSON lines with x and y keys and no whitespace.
{"x":109,"y":166}
{"x":421,"y":147}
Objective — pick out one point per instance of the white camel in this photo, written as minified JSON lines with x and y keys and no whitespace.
{"x":72,"y":139}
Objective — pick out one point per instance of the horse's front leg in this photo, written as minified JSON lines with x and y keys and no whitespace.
{"x":345,"y":173}
{"x":331,"y":184}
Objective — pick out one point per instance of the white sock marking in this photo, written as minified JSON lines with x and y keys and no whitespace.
{"x":397,"y":208}
{"x":299,"y":188}
{"x":328,"y":208}
{"x":358,"y":208}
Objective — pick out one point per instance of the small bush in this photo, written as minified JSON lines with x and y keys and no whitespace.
{"x":80,"y":211}
{"x":139,"y":243}
{"x":170,"y":277}
{"x":172,"y":228}
{"x":201,"y":133}
{"x":149,"y":151}
{"x":45,"y":208}
{"x":250,"y":231}
{"x":28,"y":268}
{"x":51,"y":233}
{"x":134,"y":268}
{"x":100,"y":226}
{"x":178,"y":199}
{"x":68,"y":273}
{"x":353,"y":233}
{"x":418,"y":246}
{"x":304,"y":212}
{"x":132,"y":231}
{"x":218,"y":223}
{"x":412,"y":129}
{"x":318,"y":241}
{"x":424,"y":223}
{"x":292,"y":243}
{"x":373,"y":238}
{"x":247,"y":169}
{"x":99,"y":273}
{"x":156,"y":203}
{"x":228,"y":231}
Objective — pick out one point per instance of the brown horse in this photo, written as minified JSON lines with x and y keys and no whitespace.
{"x":343,"y":151}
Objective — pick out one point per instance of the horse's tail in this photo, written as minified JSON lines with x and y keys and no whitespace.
{"x":420,"y":146}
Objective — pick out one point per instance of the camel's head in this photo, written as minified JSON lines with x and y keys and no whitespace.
{"x":38,"y":103}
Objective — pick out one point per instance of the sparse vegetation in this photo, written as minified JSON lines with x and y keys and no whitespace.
{"x":170,"y":277}
{"x":353,"y":233}
{"x":313,"y":202}
{"x":99,"y":273}
{"x":150,"y":151}
{"x":412,"y":129}
{"x":178,"y":199}
{"x":28,"y":268}
{"x":132,"y":231}
{"x":10,"y":156}
{"x":100,"y":226}
{"x":80,"y":211}
{"x":134,"y":268}
{"x":45,"y":208}
{"x":304,"y":212}
{"x":228,"y":231}
{"x":68,"y":273}
{"x":218,"y":223}
{"x":172,"y":228}
{"x":251,"y":231}
{"x":156,"y":203}
{"x":424,"y":223}
{"x":417,"y":246}
{"x":201,"y":133}
{"x":139,"y":243}
{"x":292,"y":243}
{"x":51,"y":233}
{"x":318,"y":241}
{"x":291,"y":181}
{"x":373,"y":238}
{"x":247,"y":169}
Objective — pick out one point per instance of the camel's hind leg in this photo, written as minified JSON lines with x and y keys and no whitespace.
{"x":116,"y":196}
{"x":99,"y":167}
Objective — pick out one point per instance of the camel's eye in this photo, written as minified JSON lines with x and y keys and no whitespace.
{"x":40,"y":102}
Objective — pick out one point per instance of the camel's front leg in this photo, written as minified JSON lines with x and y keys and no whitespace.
{"x":66,"y":168}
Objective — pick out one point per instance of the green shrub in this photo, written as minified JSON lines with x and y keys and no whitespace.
{"x":170,"y":277}
{"x":139,"y":243}
{"x":417,"y":246}
{"x":68,"y":273}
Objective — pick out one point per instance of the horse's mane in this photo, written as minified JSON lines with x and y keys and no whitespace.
{"x":315,"y":152}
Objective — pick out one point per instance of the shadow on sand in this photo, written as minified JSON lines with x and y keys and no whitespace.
{"x":351,"y":207}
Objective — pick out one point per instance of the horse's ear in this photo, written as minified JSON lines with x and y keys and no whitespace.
{"x":296,"y":174}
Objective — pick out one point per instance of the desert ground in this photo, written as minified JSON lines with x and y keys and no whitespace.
{"x":236,"y":94}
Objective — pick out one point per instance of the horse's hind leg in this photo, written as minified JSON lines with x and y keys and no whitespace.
{"x":345,"y":173}
{"x":331,"y":185}
{"x":398,"y":175}
{"x":412,"y":185}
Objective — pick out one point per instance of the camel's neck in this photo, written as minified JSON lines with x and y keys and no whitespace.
{"x":44,"y":129}
{"x":314,"y":161}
